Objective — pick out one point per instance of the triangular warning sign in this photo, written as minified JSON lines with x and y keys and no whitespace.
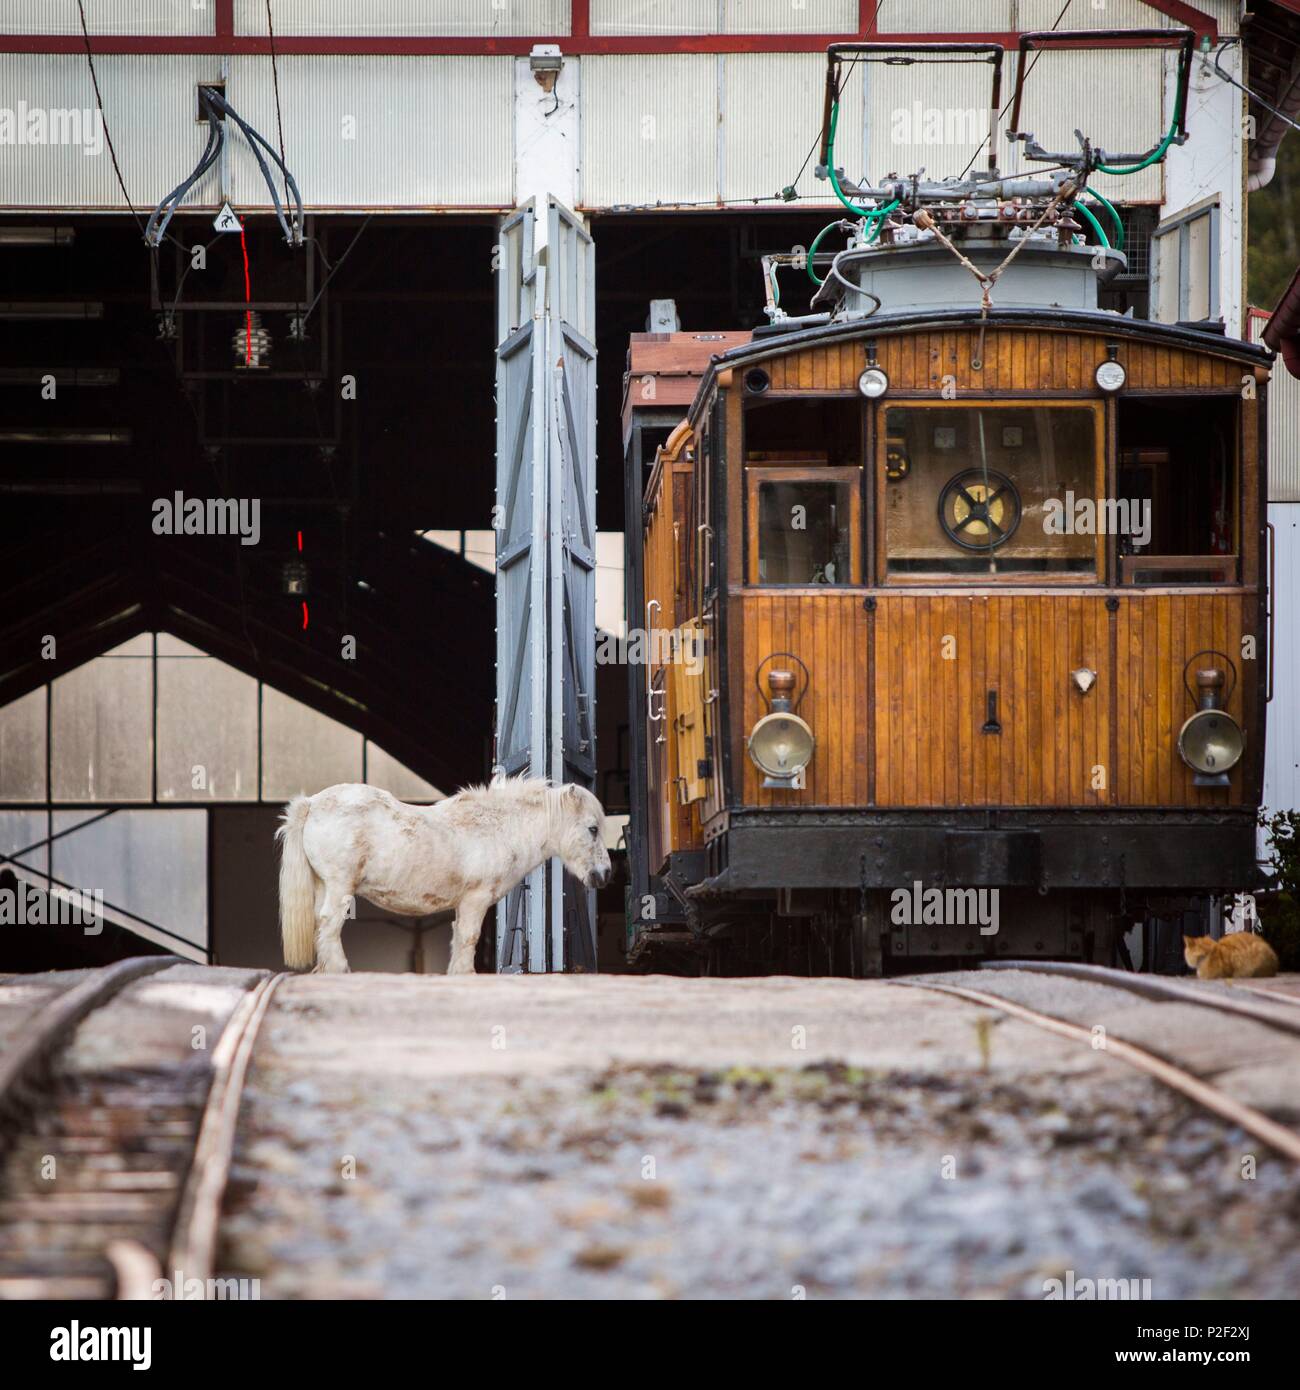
{"x":225,"y":220}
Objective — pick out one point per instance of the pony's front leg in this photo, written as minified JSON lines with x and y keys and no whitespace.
{"x":465,"y":933}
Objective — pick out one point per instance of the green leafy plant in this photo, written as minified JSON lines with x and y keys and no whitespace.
{"x":1273,"y":250}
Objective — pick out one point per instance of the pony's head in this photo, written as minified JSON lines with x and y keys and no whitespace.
{"x":580,"y":842}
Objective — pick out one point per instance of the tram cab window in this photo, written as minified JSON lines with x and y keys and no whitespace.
{"x":1178,"y":470}
{"x":989,"y":489}
{"x":803,"y":481}
{"x":804,"y":524}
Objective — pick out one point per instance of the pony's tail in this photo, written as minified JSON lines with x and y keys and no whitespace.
{"x":297,"y":889}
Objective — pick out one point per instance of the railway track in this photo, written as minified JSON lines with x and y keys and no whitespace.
{"x":116,"y":1127}
{"x":1180,"y":991}
{"x":1278,"y":1011}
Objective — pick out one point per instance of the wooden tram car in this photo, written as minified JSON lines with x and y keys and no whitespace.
{"x":898,"y":656}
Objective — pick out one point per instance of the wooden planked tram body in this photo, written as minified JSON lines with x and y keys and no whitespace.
{"x":901,"y":665}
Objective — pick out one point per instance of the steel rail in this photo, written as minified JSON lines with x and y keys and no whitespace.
{"x":1267,"y":993}
{"x":198,"y":1215}
{"x":24,"y":1064}
{"x":1276,"y":1136}
{"x":1155,"y":987}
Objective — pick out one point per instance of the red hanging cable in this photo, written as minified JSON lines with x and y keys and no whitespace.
{"x":304,"y":602}
{"x":248,"y":300}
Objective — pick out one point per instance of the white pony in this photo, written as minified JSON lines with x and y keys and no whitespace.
{"x":466,"y":852}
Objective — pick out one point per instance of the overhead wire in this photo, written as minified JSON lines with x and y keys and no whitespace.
{"x":275,"y":83}
{"x":1020,"y":81}
{"x":99,"y":102}
{"x":1254,"y":96}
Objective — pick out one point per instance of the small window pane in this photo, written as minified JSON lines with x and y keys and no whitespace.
{"x":102,"y":738}
{"x":207,"y":727}
{"x":18,"y":829}
{"x":383,"y":770}
{"x":22,"y":748}
{"x":805,"y":531}
{"x":303,"y":751}
{"x":153,"y":864}
{"x":1199,"y":269}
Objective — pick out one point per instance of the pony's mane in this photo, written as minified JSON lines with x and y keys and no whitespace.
{"x":523,"y":791}
{"x":521,"y":788}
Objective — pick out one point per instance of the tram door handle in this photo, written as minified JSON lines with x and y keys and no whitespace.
{"x":1272,"y":603}
{"x":991,"y":725}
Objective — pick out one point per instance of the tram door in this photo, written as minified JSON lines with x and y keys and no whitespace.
{"x":1004,"y":701}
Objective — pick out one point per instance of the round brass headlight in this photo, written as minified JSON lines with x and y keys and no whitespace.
{"x":1211,"y":742}
{"x":781,"y":744}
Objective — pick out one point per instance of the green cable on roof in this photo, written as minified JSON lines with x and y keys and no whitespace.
{"x":871,"y":214}
{"x":1157,"y":154}
{"x":812,"y":251}
{"x":1092,"y":222}
{"x":1115,"y":217}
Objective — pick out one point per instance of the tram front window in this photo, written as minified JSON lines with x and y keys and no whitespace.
{"x":991,"y":489}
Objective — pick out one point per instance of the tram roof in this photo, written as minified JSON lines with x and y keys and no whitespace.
{"x":768,"y":344}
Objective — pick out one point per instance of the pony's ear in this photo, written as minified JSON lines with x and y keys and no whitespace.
{"x":573,"y":796}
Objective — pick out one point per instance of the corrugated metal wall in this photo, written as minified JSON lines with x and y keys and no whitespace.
{"x":1002,"y":16}
{"x":389,"y":18}
{"x":766,"y":140}
{"x":612,"y":17}
{"x":945,"y":17}
{"x":1283,"y":436}
{"x":425,"y":132}
{"x":1116,"y":98}
{"x":932,"y":115}
{"x":417,"y":132}
{"x":359,"y":131}
{"x":154,"y":17}
{"x":650,"y":129}
{"x":1282,"y":756}
{"x":1283,"y":426}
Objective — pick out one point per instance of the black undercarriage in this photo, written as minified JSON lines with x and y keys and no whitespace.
{"x":862,"y":892}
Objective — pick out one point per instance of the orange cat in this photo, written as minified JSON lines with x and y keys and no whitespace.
{"x":1243,"y":954}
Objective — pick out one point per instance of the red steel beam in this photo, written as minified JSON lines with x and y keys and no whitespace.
{"x":224,"y":40}
{"x":252,"y":44}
